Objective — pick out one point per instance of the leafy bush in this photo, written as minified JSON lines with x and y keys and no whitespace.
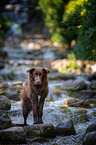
{"x":79,"y":23}
{"x":72,"y":64}
{"x":82,"y":15}
{"x":53,"y":13}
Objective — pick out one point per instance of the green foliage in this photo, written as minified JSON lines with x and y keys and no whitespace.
{"x":72,"y":64}
{"x":82,"y":15}
{"x":53,"y":12}
{"x":78,"y":19}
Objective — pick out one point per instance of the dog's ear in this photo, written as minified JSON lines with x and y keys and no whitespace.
{"x":46,"y":70}
{"x":30,"y":70}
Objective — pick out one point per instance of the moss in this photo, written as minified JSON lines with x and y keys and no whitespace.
{"x":64,"y":109}
{"x":49,"y":100}
{"x":72,"y":93}
{"x":82,"y":111}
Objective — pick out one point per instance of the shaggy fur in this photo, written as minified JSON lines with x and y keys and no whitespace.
{"x":34,"y":94}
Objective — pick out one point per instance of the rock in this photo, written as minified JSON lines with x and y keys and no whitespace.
{"x":42,"y":130}
{"x":17,"y":83}
{"x":5,"y":121}
{"x":93,"y":85}
{"x":13,"y":135}
{"x":4,"y":85}
{"x":61,"y":76}
{"x":86,"y":94}
{"x":80,"y":116}
{"x":66,"y":128}
{"x":2,"y":64}
{"x":3,"y":54}
{"x":1,"y":79}
{"x":74,"y":85}
{"x":5,"y":103}
{"x":73,"y":102}
{"x":91,"y":128}
{"x":70,"y":101}
{"x":92,"y":77}
{"x":12,"y":93}
{"x":81,"y":103}
{"x":90,"y":139}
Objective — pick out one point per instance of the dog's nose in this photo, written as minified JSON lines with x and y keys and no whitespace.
{"x":38,"y":81}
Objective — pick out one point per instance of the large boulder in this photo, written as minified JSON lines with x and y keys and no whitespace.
{"x":74,"y":85}
{"x":5,"y":103}
{"x":61,"y":76}
{"x":66,"y":128}
{"x":42,"y":130}
{"x":73,"y":102}
{"x":5,"y":121}
{"x":12,"y":93}
{"x":13,"y":135}
{"x":90,"y":139}
{"x":91,"y":128}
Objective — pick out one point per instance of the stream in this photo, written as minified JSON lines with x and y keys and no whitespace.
{"x":23,"y":55}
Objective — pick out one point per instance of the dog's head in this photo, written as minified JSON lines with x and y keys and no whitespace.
{"x":38,"y":74}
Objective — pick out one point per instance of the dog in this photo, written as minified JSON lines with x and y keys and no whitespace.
{"x":34,"y":94}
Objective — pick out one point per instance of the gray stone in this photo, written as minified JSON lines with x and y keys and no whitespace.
{"x":72,"y":85}
{"x":61,"y":76}
{"x":93,"y":84}
{"x":42,"y":130}
{"x":12,"y":93}
{"x":13,"y":135}
{"x":91,"y":128}
{"x":17,"y":83}
{"x":5,"y":103}
{"x":90,"y":139}
{"x":4,"y":85}
{"x":5,"y":121}
{"x":66,"y":128}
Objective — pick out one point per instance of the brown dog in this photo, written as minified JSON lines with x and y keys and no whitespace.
{"x":33,"y":96}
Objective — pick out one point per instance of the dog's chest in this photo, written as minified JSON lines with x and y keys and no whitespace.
{"x":39,"y":98}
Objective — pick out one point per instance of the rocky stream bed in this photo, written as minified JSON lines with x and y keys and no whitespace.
{"x":70,"y":108}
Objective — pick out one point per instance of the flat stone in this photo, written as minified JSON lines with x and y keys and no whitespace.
{"x":43,"y":130}
{"x":61,"y":76}
{"x":4,"y":85}
{"x":74,"y":85}
{"x":69,"y":101}
{"x":15,"y":135}
{"x":17,"y":83}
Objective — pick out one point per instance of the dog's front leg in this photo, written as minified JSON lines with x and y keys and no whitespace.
{"x":41,"y":104}
{"x":34,"y":101}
